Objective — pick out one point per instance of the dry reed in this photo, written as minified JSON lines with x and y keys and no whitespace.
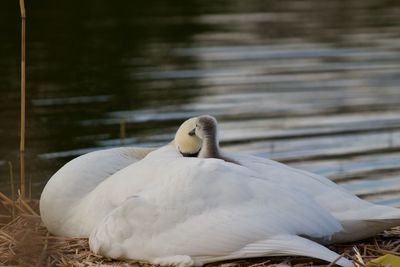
{"x":122,"y":131}
{"x":23,"y":90}
{"x":12,"y":189}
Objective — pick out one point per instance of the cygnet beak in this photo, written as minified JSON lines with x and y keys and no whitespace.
{"x":192,"y":132}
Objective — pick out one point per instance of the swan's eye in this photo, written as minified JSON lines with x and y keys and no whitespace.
{"x":192,"y":132}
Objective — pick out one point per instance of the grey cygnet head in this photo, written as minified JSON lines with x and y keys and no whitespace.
{"x":207,"y":130}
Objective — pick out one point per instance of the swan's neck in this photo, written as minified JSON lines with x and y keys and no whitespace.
{"x":210,"y":147}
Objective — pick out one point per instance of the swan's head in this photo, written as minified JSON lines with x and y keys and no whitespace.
{"x":186,"y":141}
{"x":206,"y":126}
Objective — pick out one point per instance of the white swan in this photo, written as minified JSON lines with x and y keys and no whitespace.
{"x":170,"y":209}
{"x":359,"y":218}
{"x":67,"y":207}
{"x":194,"y":211}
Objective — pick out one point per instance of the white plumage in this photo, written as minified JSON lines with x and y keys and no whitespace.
{"x":201,"y":210}
{"x":65,"y":205}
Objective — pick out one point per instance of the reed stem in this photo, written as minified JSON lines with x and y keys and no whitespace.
{"x":23,"y":90}
{"x":12,"y":189}
{"x":122,"y":131}
{"x":29,"y":188}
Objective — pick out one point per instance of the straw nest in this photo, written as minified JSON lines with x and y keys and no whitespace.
{"x":24,"y":241}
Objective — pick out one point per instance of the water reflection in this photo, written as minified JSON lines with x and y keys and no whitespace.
{"x":296,"y":81}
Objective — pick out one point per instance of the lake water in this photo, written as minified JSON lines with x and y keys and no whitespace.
{"x":314,"y":84}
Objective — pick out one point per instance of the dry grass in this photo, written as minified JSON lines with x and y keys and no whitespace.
{"x":24,"y":241}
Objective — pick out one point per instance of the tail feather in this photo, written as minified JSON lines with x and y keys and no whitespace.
{"x":361,"y":229}
{"x":366,"y":222}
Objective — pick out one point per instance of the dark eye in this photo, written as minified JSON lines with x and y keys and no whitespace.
{"x":192,"y":132}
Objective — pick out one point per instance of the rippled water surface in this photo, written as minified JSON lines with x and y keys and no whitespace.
{"x":314,"y":84}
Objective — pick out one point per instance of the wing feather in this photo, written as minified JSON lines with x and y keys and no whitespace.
{"x":282,"y":245}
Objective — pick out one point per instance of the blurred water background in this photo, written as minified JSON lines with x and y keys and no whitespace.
{"x":314,"y":84}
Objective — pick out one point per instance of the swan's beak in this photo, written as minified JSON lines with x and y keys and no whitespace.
{"x":192,"y":132}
